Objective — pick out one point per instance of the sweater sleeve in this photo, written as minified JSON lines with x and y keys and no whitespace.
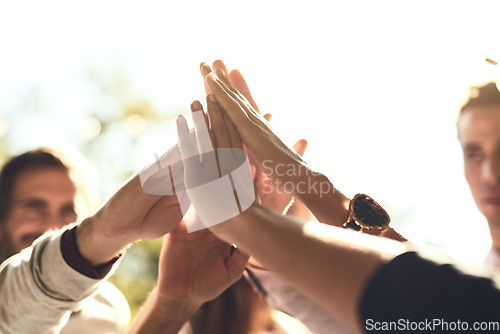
{"x":39,"y":290}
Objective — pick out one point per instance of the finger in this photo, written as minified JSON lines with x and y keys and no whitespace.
{"x":236,"y":263}
{"x":221,"y":74}
{"x":196,"y":106}
{"x":205,"y":69}
{"x":219,"y":64}
{"x":253,"y":169}
{"x":249,"y":112}
{"x":236,"y":113}
{"x":268,"y":117}
{"x":220,"y":69}
{"x":202,"y":136}
{"x":237,"y":81}
{"x":207,"y":122}
{"x":300,"y":147}
{"x":242,"y":101}
{"x":234,"y":136}
{"x":222,"y":77}
{"x":237,"y":96}
{"x":217,"y":125}
{"x":186,"y":145}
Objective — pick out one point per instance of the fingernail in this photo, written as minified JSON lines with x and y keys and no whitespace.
{"x":202,"y":63}
{"x":205,"y":67}
{"x":212,"y":98}
{"x":197,"y":105}
{"x":181,"y":118}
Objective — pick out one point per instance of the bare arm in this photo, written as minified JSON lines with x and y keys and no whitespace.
{"x":130,"y":215}
{"x":328,"y":264}
{"x":162,"y":315}
{"x":193,"y":268}
{"x":281,"y":164}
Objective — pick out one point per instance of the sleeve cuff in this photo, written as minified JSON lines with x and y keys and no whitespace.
{"x":75,"y":260}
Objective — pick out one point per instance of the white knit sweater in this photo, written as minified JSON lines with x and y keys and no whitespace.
{"x":40,"y":292}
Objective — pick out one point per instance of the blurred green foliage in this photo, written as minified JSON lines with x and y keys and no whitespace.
{"x":138,"y":272}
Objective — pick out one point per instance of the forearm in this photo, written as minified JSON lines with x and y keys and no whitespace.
{"x":130,"y":215}
{"x":330,"y":206}
{"x":327,"y":203}
{"x":162,"y":315}
{"x":329,"y":265}
{"x":96,"y":247}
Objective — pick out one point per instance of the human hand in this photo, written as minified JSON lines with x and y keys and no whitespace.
{"x":269,"y":195}
{"x":282,"y":165}
{"x":196,"y":267}
{"x":130,"y":215}
{"x":193,"y":268}
{"x":217,"y":178}
{"x":267,"y":149}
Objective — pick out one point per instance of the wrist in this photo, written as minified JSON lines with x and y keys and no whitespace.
{"x":327,"y":203}
{"x":310,"y":185}
{"x":94,"y":245}
{"x":174,"y":309}
{"x":227,"y":230}
{"x":161,"y":314}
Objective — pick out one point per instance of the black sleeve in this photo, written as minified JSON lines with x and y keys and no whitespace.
{"x":412,"y":288}
{"x":75,"y":260}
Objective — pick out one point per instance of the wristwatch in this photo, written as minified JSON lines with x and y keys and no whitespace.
{"x":366,"y":214}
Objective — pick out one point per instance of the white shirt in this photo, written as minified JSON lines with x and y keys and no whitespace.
{"x":281,"y":296}
{"x":493,"y":258}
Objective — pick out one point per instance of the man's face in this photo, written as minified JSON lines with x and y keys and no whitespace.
{"x":479,"y":135}
{"x":42,"y":200}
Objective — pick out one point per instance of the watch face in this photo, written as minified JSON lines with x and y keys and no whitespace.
{"x":368,"y":213}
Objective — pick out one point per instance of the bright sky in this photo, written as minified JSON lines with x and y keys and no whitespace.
{"x":373,"y":85}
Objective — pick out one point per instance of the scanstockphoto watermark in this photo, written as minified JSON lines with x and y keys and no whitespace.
{"x":305,"y":181}
{"x":437,"y":325}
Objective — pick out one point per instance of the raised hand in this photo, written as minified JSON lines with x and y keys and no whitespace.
{"x":218,"y":182}
{"x":197,"y":266}
{"x":130,"y":215}
{"x":269,"y":195}
{"x":193,"y":268}
{"x":312,"y":188}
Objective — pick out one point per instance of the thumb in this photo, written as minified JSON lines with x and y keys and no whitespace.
{"x":253,"y":169}
{"x":300,"y":146}
{"x":236,"y":264}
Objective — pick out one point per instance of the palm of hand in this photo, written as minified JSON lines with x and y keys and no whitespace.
{"x":209,"y":271}
{"x":269,"y":196}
